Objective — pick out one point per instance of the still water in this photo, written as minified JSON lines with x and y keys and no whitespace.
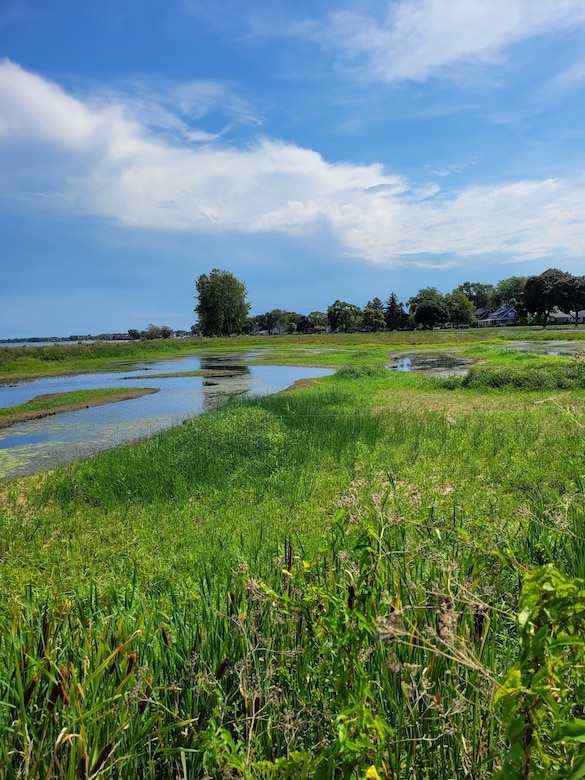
{"x":434,"y":364}
{"x":42,"y":444}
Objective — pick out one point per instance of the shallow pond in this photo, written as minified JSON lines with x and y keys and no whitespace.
{"x":38,"y":445}
{"x":554,"y":348}
{"x":438,"y":364}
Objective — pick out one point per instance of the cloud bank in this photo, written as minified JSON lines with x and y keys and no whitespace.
{"x":103,"y":158}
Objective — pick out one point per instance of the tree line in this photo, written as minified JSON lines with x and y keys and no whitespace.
{"x":223,"y":310}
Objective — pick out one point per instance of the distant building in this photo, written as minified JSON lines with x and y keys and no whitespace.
{"x":562,"y":318}
{"x":505,"y":315}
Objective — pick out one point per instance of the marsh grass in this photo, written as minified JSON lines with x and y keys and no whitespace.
{"x":295,"y":350}
{"x":306,"y":585}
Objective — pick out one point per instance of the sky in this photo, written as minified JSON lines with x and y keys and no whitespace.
{"x":317,"y":150}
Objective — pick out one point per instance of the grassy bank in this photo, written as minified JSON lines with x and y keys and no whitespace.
{"x":322,"y":583}
{"x":56,"y":403}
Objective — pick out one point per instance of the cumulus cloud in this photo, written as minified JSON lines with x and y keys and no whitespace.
{"x":103,"y":161}
{"x":416,"y":39}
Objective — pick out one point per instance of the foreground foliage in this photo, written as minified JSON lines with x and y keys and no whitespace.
{"x":320,"y":584}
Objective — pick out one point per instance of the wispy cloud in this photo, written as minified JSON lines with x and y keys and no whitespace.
{"x":396,"y":40}
{"x":104,"y":159}
{"x":418,"y":39}
{"x":570,"y":80}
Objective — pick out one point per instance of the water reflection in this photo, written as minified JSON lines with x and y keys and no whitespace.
{"x":433,"y":364}
{"x":215,"y":387}
{"x":37,"y":445}
{"x":554,"y":348}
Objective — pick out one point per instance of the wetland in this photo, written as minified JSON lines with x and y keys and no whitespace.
{"x":323,"y":582}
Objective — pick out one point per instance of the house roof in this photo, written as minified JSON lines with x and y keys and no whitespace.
{"x":503,"y":311}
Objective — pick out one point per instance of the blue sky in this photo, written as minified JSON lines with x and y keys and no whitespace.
{"x":317,"y":150}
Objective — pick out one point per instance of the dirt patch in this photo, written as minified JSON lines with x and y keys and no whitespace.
{"x":37,"y":414}
{"x":299,"y":384}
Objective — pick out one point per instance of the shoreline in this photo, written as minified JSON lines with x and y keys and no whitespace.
{"x":37,"y":414}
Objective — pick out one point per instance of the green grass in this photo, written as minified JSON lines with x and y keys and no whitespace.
{"x":304,"y":585}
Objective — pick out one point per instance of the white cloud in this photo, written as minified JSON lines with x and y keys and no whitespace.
{"x":416,"y":39}
{"x":99,"y":159}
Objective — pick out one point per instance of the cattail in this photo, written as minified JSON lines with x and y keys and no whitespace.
{"x":58,"y":691}
{"x":351,"y":597}
{"x":103,"y":757}
{"x":83,"y":766}
{"x":220,"y":671}
{"x":55,"y":691}
{"x":29,"y":691}
{"x":131,"y":663}
{"x":165,"y":636}
{"x":147,"y":690}
{"x":63,"y":694}
{"x":479,"y":615}
{"x":53,"y":696}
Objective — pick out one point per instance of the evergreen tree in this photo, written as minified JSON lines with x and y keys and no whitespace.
{"x":395,"y":316}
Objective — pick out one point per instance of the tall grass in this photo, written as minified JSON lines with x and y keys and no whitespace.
{"x":306,"y":585}
{"x":539,"y":376}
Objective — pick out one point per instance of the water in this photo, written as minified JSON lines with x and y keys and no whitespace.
{"x":554,"y":348}
{"x":433,"y":364}
{"x":38,"y":445}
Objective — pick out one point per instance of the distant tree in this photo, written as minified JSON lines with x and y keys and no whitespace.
{"x":544,"y":292}
{"x":342,"y":315}
{"x":304,"y":325}
{"x":134,"y":334}
{"x":425,"y":295}
{"x":166,"y":332}
{"x":294,"y":317}
{"x":276,"y":318}
{"x":479,"y":294}
{"x":152,"y":332}
{"x":508,"y":292}
{"x":429,"y":314}
{"x":373,"y":319}
{"x":318,"y":319}
{"x":460,"y":308}
{"x":574,"y":295}
{"x":395,"y":316}
{"x":222,"y":307}
{"x":376,"y":303}
{"x":428,"y":307}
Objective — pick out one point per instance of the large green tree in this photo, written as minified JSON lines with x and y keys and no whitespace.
{"x":574,"y":295}
{"x":342,"y":315}
{"x":508,"y":292}
{"x":459,"y":308}
{"x":545,"y":291}
{"x":477,"y":292}
{"x":428,"y":307}
{"x":222,"y":308}
{"x":373,"y":318}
